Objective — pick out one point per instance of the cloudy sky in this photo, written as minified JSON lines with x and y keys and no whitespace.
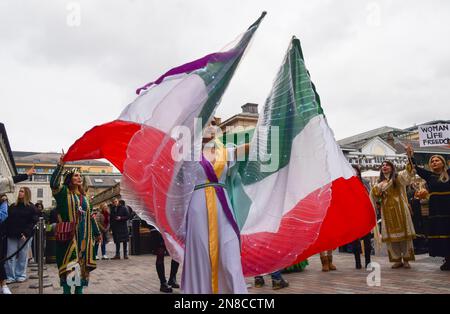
{"x":66,"y":66}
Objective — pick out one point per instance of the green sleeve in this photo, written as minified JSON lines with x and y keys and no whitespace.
{"x":55,"y":181}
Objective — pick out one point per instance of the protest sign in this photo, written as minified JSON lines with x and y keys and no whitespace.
{"x":434,"y":135}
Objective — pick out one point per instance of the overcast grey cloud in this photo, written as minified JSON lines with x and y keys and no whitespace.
{"x":374,"y":62}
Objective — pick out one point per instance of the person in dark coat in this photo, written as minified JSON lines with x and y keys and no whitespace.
{"x":438,"y":183}
{"x":22,"y":216}
{"x":40,"y":213}
{"x":367,"y":238}
{"x":160,"y":252}
{"x":420,"y":243}
{"x":119,"y":217}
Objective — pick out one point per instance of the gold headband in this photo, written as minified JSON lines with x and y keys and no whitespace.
{"x":71,"y":172}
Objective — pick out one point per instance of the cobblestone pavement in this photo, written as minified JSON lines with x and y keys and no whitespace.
{"x":137,"y":275}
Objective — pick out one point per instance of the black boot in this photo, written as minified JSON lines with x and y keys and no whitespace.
{"x":279,"y":284}
{"x":446,"y":265}
{"x":259,"y":281}
{"x":161,"y":273}
{"x":173,"y":275}
{"x":367,"y":250}
{"x":358,"y":261}
{"x":367,"y":258}
{"x":165,"y":288}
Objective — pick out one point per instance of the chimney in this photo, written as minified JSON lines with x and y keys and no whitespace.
{"x":250,"y":108}
{"x":390,"y":139}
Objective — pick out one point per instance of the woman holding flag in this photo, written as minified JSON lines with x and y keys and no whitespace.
{"x":76,"y":230}
{"x":397,"y":226}
{"x":212,"y":260}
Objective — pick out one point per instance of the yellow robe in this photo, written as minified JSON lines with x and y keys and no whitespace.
{"x":397,"y":229}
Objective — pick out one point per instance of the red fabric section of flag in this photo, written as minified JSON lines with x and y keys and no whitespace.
{"x":149,"y":170}
{"x":109,"y":140}
{"x":350,"y":215}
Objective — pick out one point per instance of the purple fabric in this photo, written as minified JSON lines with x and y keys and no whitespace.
{"x":211,"y":175}
{"x":194,"y":65}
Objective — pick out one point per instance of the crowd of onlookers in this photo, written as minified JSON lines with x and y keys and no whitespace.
{"x":413,"y":207}
{"x":113,"y":221}
{"x":17,"y":223}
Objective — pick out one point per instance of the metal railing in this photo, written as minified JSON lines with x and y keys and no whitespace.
{"x":40,"y":241}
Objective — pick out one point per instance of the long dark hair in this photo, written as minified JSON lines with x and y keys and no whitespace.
{"x":358,"y":171}
{"x":393,"y":176}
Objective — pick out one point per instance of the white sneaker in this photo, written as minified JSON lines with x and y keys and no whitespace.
{"x":5,"y":290}
{"x":10,"y":281}
{"x":105,"y":257}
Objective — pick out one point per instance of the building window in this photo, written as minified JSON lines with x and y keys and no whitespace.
{"x":103,"y":171}
{"x":98,"y":180}
{"x":40,"y":192}
{"x":40,"y":178}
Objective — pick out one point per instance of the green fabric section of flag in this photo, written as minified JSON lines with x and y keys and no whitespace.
{"x":292,"y":103}
{"x":217,"y":75}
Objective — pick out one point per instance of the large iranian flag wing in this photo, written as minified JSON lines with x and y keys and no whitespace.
{"x":141,"y":142}
{"x":296,"y":195}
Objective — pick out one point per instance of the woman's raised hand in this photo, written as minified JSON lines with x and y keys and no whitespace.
{"x":409,"y":150}
{"x":31,"y":171}
{"x":61,"y":159}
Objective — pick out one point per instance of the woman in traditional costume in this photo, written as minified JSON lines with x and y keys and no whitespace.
{"x":397,"y":229}
{"x":212,"y":259}
{"x":438,"y":184}
{"x":76,"y":230}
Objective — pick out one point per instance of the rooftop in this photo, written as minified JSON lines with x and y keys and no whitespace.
{"x":413,"y":128}
{"x":102,"y":180}
{"x":370,"y":134}
{"x":249,"y":112}
{"x":51,"y":158}
{"x":401,"y":143}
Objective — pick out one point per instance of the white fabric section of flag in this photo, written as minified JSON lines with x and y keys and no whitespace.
{"x":169,"y":103}
{"x":316,"y":160}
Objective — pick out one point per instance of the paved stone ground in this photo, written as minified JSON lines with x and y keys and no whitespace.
{"x":138,"y":276}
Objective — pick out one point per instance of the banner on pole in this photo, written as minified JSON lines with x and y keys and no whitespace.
{"x":434,"y":135}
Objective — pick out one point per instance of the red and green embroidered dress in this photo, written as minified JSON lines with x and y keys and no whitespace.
{"x":73,"y":207}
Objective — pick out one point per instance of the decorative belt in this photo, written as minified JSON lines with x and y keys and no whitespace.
{"x":205,"y":185}
{"x":439,"y":237}
{"x":439,"y":193}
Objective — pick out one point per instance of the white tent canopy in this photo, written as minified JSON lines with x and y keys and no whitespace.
{"x":370,"y":173}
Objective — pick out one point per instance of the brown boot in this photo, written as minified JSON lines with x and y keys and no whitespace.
{"x":330,"y":262}
{"x":325,"y":265}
